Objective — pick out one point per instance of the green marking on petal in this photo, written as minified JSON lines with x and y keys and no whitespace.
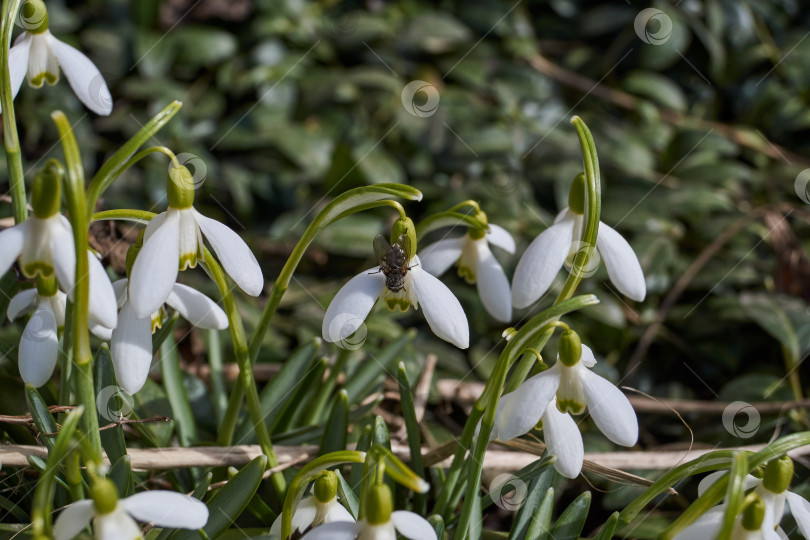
{"x":35,"y":268}
{"x":157,"y":319}
{"x":569,"y":406}
{"x":44,"y":77}
{"x":188,"y":260}
{"x":466,"y":273}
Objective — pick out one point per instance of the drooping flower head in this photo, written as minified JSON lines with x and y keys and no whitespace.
{"x":173,"y":241}
{"x":559,"y":245}
{"x":45,"y":247}
{"x":322,"y":507}
{"x":131,"y":340}
{"x":762,"y":514}
{"x":476,"y":264}
{"x":37,"y":56}
{"x":114,"y":519}
{"x":380,"y":523}
{"x":576,"y":389}
{"x":401,"y":282}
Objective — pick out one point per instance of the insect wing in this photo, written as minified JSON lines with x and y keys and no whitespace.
{"x":381,"y":249}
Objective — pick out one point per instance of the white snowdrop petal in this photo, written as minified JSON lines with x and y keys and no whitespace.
{"x":800,"y":510}
{"x":493,"y":285}
{"x":21,"y":302}
{"x":442,"y":309}
{"x":166,"y":509}
{"x":116,"y":525}
{"x":11,"y":245}
{"x":155,"y":223}
{"x":500,"y":237}
{"x":563,"y":440}
{"x":519,"y":411}
{"x":587,"y":357}
{"x":39,"y":347}
{"x":84,"y":77}
{"x":609,"y":408}
{"x":352,"y":304}
{"x":413,"y":526}
{"x":155,"y":269}
{"x":234,"y":255}
{"x":120,"y":289}
{"x":439,"y":256}
{"x":197,"y":308}
{"x":131,"y":349}
{"x":337,"y":530}
{"x":73,"y":519}
{"x":707,"y":481}
{"x":302,"y":518}
{"x":101,"y":332}
{"x":338,"y":513}
{"x":621,"y":262}
{"x":540,"y":263}
{"x":705,"y":527}
{"x":63,"y":252}
{"x":103,"y":306}
{"x":18,"y":62}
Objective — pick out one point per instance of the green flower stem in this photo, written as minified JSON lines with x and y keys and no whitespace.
{"x":66,"y":356}
{"x":138,"y":216}
{"x":10,"y":137}
{"x":448,"y":219}
{"x":468,"y":202}
{"x":82,"y":356}
{"x":350,"y":202}
{"x":151,"y":150}
{"x":117,"y":163}
{"x":534,"y":334}
{"x":590,"y":229}
{"x":240,"y":347}
{"x":734,"y":494}
{"x":41,"y":508}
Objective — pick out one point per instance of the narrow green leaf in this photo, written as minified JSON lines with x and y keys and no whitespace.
{"x":113,"y":167}
{"x":304,"y":392}
{"x":536,"y":495}
{"x":41,"y":415}
{"x":363,"y":444}
{"x":413,"y":432}
{"x":277,"y":391}
{"x":176,"y":393}
{"x":362,"y":382}
{"x":111,"y":403}
{"x":336,"y":431}
{"x":348,"y":496}
{"x":735,"y":492}
{"x":572,"y":520}
{"x":121,"y":476}
{"x":219,"y":393}
{"x":540,"y":525}
{"x":607,"y":530}
{"x":229,"y":501}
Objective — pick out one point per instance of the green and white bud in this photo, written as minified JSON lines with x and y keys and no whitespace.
{"x":778,"y":474}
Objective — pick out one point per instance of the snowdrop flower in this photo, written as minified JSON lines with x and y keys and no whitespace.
{"x":45,"y":247}
{"x":563,"y":440}
{"x":114,"y":519}
{"x":476,"y":264}
{"x":576,"y":388}
{"x":559,"y":244}
{"x":37,"y":56}
{"x":380,"y":522}
{"x":131,"y":340}
{"x":173,"y":242}
{"x":404,"y":284}
{"x":322,"y":507}
{"x":39,"y":345}
{"x":771,"y":491}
